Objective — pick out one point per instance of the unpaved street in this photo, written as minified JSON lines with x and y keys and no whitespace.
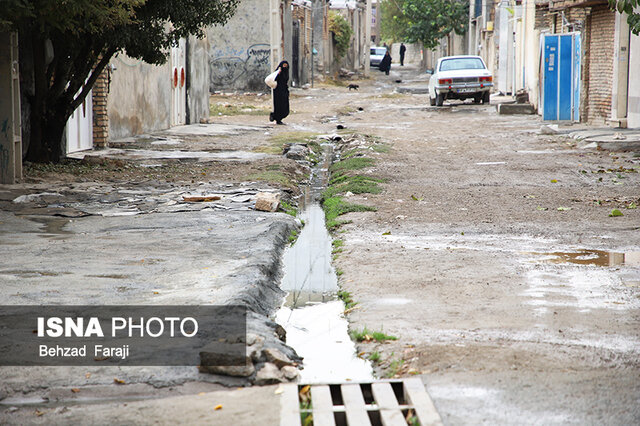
{"x":490,"y":255}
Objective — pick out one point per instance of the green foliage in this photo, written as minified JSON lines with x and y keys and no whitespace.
{"x":374,"y":357}
{"x":342,"y":32}
{"x":345,"y":296}
{"x":615,"y":213}
{"x":336,"y":206}
{"x":393,"y":22}
{"x":394,"y":367}
{"x":355,"y":163}
{"x":288,"y":208}
{"x":367,"y":335}
{"x":425,"y":21}
{"x":631,"y":8}
{"x":355,"y":184}
{"x":67,"y":44}
{"x":431,"y":20}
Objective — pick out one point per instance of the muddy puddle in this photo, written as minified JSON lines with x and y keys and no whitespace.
{"x":590,"y":257}
{"x":312,"y":314}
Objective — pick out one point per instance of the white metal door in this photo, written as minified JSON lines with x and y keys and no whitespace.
{"x":80,"y":126}
{"x":178,"y":84}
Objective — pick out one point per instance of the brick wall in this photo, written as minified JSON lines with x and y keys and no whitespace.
{"x":100,"y":117}
{"x":542,"y":20}
{"x":598,"y":74}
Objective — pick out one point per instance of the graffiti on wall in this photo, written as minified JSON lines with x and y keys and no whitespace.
{"x":240,"y":68}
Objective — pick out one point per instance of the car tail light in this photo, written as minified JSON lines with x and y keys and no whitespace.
{"x":486,"y":79}
{"x":445,"y":81}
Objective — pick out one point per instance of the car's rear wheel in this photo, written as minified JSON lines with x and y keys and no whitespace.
{"x":486,"y":98}
{"x":439,"y":99}
{"x":432,"y":101}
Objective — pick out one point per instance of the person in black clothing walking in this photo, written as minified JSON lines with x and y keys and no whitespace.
{"x":281,"y":94}
{"x":385,"y":63}
{"x":403,"y":49}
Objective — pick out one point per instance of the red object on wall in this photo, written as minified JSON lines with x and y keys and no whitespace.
{"x":182,"y":77}
{"x":175,"y":77}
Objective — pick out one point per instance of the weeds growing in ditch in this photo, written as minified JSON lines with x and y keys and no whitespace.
{"x":336,"y":206}
{"x":337,"y":246}
{"x":345,"y":296}
{"x":357,"y":184}
{"x":288,"y":208}
{"x":353,"y":163}
{"x":394,"y":367}
{"x":367,"y":335}
{"x":374,"y":357}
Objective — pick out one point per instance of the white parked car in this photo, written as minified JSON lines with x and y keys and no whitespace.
{"x":460,"y":77}
{"x":376,"y":54}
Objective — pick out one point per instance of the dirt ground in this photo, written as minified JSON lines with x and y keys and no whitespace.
{"x":491,"y":256}
{"x":465,"y":263}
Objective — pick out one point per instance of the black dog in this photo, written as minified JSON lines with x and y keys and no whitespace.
{"x":352,"y":86}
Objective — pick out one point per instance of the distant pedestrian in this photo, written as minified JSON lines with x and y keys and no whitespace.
{"x":403,"y":49}
{"x":281,"y":94}
{"x":385,"y":63}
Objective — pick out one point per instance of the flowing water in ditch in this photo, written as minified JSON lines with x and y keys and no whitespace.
{"x":312,"y":314}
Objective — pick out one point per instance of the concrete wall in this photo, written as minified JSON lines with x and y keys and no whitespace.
{"x":633,"y":97}
{"x":139,"y":97}
{"x":197,"y":79}
{"x":531,"y":53}
{"x":411,"y":56}
{"x":239,"y":52}
{"x":139,"y":94}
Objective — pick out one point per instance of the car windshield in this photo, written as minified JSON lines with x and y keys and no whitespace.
{"x":461,"y":64}
{"x":378,"y":51}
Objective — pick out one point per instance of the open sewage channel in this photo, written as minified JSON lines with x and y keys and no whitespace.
{"x":312,"y":314}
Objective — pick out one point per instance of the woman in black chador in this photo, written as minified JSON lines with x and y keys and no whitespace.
{"x":281,"y":94}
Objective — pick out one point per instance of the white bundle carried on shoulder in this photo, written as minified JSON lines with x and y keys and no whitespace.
{"x":271,"y":79}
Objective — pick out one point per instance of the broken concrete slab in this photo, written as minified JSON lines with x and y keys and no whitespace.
{"x":147,"y":154}
{"x":213,"y":129}
{"x":416,"y":90}
{"x":197,"y":257}
{"x":220,"y":407}
{"x":512,"y":108}
{"x":611,"y":144}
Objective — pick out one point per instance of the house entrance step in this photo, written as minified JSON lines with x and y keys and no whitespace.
{"x":387,"y":403}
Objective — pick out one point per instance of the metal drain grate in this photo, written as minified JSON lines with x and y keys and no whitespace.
{"x":387,"y":403}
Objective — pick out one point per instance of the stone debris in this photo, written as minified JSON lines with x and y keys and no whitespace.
{"x":290,"y":373}
{"x":267,"y":201}
{"x":278,"y":358}
{"x":269,"y":374}
{"x":296,"y":151}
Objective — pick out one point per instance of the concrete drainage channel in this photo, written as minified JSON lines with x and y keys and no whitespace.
{"x":312,"y":314}
{"x":336,"y":387}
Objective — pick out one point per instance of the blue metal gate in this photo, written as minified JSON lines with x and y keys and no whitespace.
{"x":561,"y":77}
